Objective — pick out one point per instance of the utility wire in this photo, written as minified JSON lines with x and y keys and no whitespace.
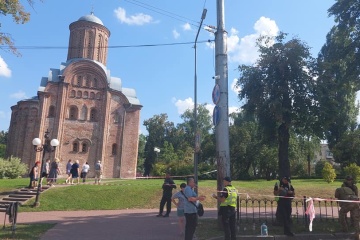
{"x":118,"y":46}
{"x":163,"y":12}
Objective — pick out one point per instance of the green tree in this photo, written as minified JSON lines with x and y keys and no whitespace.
{"x":2,"y":150}
{"x":19,"y":15}
{"x":187,"y":127}
{"x":160,"y":130}
{"x":245,"y":144}
{"x":353,"y":170}
{"x":336,"y":88}
{"x":141,"y":153}
{"x":346,"y":15}
{"x":347,"y":150}
{"x":279,"y":90}
{"x":328,"y":173}
{"x":3,"y":137}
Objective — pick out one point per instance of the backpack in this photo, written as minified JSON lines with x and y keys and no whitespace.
{"x":97,"y":166}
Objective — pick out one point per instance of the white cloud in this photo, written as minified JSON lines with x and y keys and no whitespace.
{"x":4,"y":69}
{"x":137,"y":19}
{"x":234,"y":110}
{"x":186,"y":27}
{"x":18,"y":95}
{"x":244,"y":50}
{"x":175,"y":34}
{"x":183,"y":105}
{"x":236,"y":89}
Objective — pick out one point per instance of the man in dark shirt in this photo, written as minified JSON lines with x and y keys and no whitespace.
{"x":286,"y":193}
{"x":166,"y":197}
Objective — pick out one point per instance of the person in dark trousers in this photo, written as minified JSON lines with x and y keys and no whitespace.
{"x":190,"y":209}
{"x":166,"y":197}
{"x":227,"y":210}
{"x":286,"y":192}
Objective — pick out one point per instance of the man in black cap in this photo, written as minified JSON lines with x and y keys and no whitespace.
{"x":227,"y":199}
{"x":286,"y":192}
{"x":166,"y":197}
{"x":345,"y":207}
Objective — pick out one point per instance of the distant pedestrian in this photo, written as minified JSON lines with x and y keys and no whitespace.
{"x":34,"y":174}
{"x":54,"y":171}
{"x":98,"y":172}
{"x":84,"y":171}
{"x":75,"y":169}
{"x":190,"y":209}
{"x":68,"y":169}
{"x":167,"y":187}
{"x":180,"y":207}
{"x":45,"y":171}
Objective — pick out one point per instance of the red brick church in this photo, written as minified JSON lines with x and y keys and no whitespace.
{"x":89,"y":111}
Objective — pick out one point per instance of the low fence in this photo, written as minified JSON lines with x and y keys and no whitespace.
{"x":260,"y":210}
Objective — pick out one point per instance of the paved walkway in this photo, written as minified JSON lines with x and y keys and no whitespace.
{"x":132,"y":224}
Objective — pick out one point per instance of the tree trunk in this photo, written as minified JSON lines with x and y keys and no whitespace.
{"x":284,"y":163}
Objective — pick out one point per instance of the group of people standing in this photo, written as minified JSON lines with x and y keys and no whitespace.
{"x":187,"y":202}
{"x":50,"y":171}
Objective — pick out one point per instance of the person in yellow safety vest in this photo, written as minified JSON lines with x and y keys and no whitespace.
{"x":227,"y":199}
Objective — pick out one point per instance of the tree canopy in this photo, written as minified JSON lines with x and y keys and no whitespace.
{"x":279,"y":91}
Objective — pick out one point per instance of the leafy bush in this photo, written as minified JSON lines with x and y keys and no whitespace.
{"x":353,"y":170}
{"x":12,"y":168}
{"x":328,"y":173}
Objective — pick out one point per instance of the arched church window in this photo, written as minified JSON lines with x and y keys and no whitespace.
{"x":84,"y":147}
{"x":98,"y":96}
{"x":79,"y":81}
{"x":79,"y":94}
{"x":51,"y":112}
{"x":89,"y":44}
{"x":116,"y":117}
{"x":72,"y":93}
{"x":114,"y":149}
{"x":94,"y":83}
{"x":87,"y":81}
{"x":75,"y":147}
{"x":86,"y":94}
{"x":93,"y":115}
{"x":92,"y":95}
{"x":73,"y":113}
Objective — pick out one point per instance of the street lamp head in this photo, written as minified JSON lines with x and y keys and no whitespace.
{"x":54,"y":143}
{"x":36,"y":141}
{"x":156,"y":149}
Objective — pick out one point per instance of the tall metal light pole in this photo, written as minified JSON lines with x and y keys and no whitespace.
{"x":196,"y":133}
{"x":48,"y":146}
{"x":221,"y":73}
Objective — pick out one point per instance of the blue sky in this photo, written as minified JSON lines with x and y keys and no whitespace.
{"x":162,"y":76}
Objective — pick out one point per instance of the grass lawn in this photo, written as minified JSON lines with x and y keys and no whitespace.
{"x":25,"y":231}
{"x":146,"y":194}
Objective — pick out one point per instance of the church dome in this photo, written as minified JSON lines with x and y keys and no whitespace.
{"x":91,"y":18}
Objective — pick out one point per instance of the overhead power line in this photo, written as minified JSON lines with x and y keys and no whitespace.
{"x":164,"y":12}
{"x":118,"y":46}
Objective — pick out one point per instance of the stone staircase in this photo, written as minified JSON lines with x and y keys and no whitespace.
{"x":22,"y":195}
